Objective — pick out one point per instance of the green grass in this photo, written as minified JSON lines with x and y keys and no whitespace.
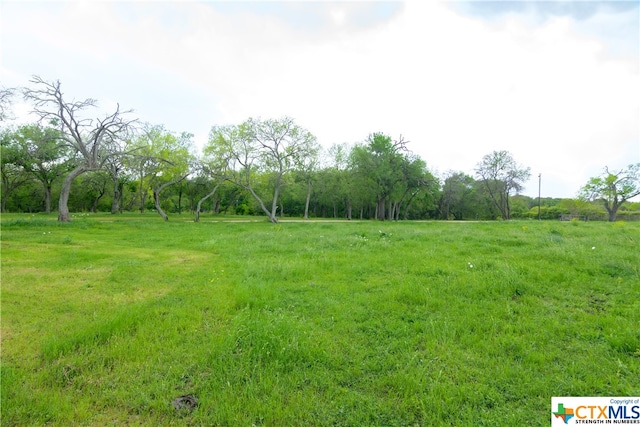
{"x":109,"y":318}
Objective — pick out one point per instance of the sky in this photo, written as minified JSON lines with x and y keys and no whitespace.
{"x":557,"y":84}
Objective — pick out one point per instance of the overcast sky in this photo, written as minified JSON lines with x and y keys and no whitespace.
{"x":555,"y":83}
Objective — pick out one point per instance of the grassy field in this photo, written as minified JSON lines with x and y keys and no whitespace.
{"x":108,"y":319}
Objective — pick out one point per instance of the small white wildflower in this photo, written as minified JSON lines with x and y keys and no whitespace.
{"x":593,"y":247}
{"x":470,"y":265}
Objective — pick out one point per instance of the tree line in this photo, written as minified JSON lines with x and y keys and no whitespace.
{"x":270,"y":167}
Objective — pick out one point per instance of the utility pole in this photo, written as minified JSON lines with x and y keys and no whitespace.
{"x":539,"y":185}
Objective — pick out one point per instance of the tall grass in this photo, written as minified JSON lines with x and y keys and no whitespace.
{"x":107,"y":319}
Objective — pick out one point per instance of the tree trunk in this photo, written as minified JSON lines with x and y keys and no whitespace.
{"x":142,"y":199}
{"x":274,"y":203}
{"x":508,"y":207}
{"x":129,"y":205}
{"x":380,"y":212}
{"x":47,"y":199}
{"x":199,"y":206}
{"x":115,"y":204}
{"x":612,"y":210}
{"x":142,"y":194}
{"x":271,"y":215}
{"x":94,"y":206}
{"x":3,"y":203}
{"x":406,"y":208}
{"x":156,"y":202}
{"x":156,"y":196}
{"x":447,"y":204}
{"x":499,"y":203}
{"x":63,"y":203}
{"x":306,"y":203}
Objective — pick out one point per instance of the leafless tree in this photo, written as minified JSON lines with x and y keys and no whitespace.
{"x":5,"y":102}
{"x":95,"y":140}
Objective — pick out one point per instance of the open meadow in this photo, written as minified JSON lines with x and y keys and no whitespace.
{"x":107,"y":319}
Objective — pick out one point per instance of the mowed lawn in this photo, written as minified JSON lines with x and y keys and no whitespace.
{"x":108,"y":319}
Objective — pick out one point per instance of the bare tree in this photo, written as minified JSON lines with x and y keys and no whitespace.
{"x":5,"y":102}
{"x":93,"y":139}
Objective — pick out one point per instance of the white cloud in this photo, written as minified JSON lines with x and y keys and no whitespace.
{"x":456,"y":86}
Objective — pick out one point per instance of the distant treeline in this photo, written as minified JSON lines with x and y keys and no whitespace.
{"x":93,"y":192}
{"x":273,"y":167}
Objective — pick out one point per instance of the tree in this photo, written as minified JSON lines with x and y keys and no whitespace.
{"x":330,"y":192}
{"x":456,"y":190}
{"x":13,"y":175}
{"x":613,"y":188}
{"x":41,"y":155}
{"x":307,"y":173}
{"x":94,"y":187}
{"x":415,"y":179}
{"x":165,"y":158}
{"x":92,"y":139}
{"x":140,"y":165}
{"x":334,"y":184}
{"x":214,"y":170}
{"x":388,"y":170}
{"x":372,"y":165}
{"x":501,"y":177}
{"x":272,"y":146}
{"x":284,"y":146}
{"x":5,"y":102}
{"x":115,"y":167}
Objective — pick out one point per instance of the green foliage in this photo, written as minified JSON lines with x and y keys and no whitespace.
{"x":391,"y":175}
{"x":613,"y":188}
{"x":315,"y":323}
{"x":160,"y":159}
{"x":275,"y":162}
{"x":501,"y":176}
{"x":547,"y":212}
{"x":271,"y":147}
{"x":273,"y":167}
